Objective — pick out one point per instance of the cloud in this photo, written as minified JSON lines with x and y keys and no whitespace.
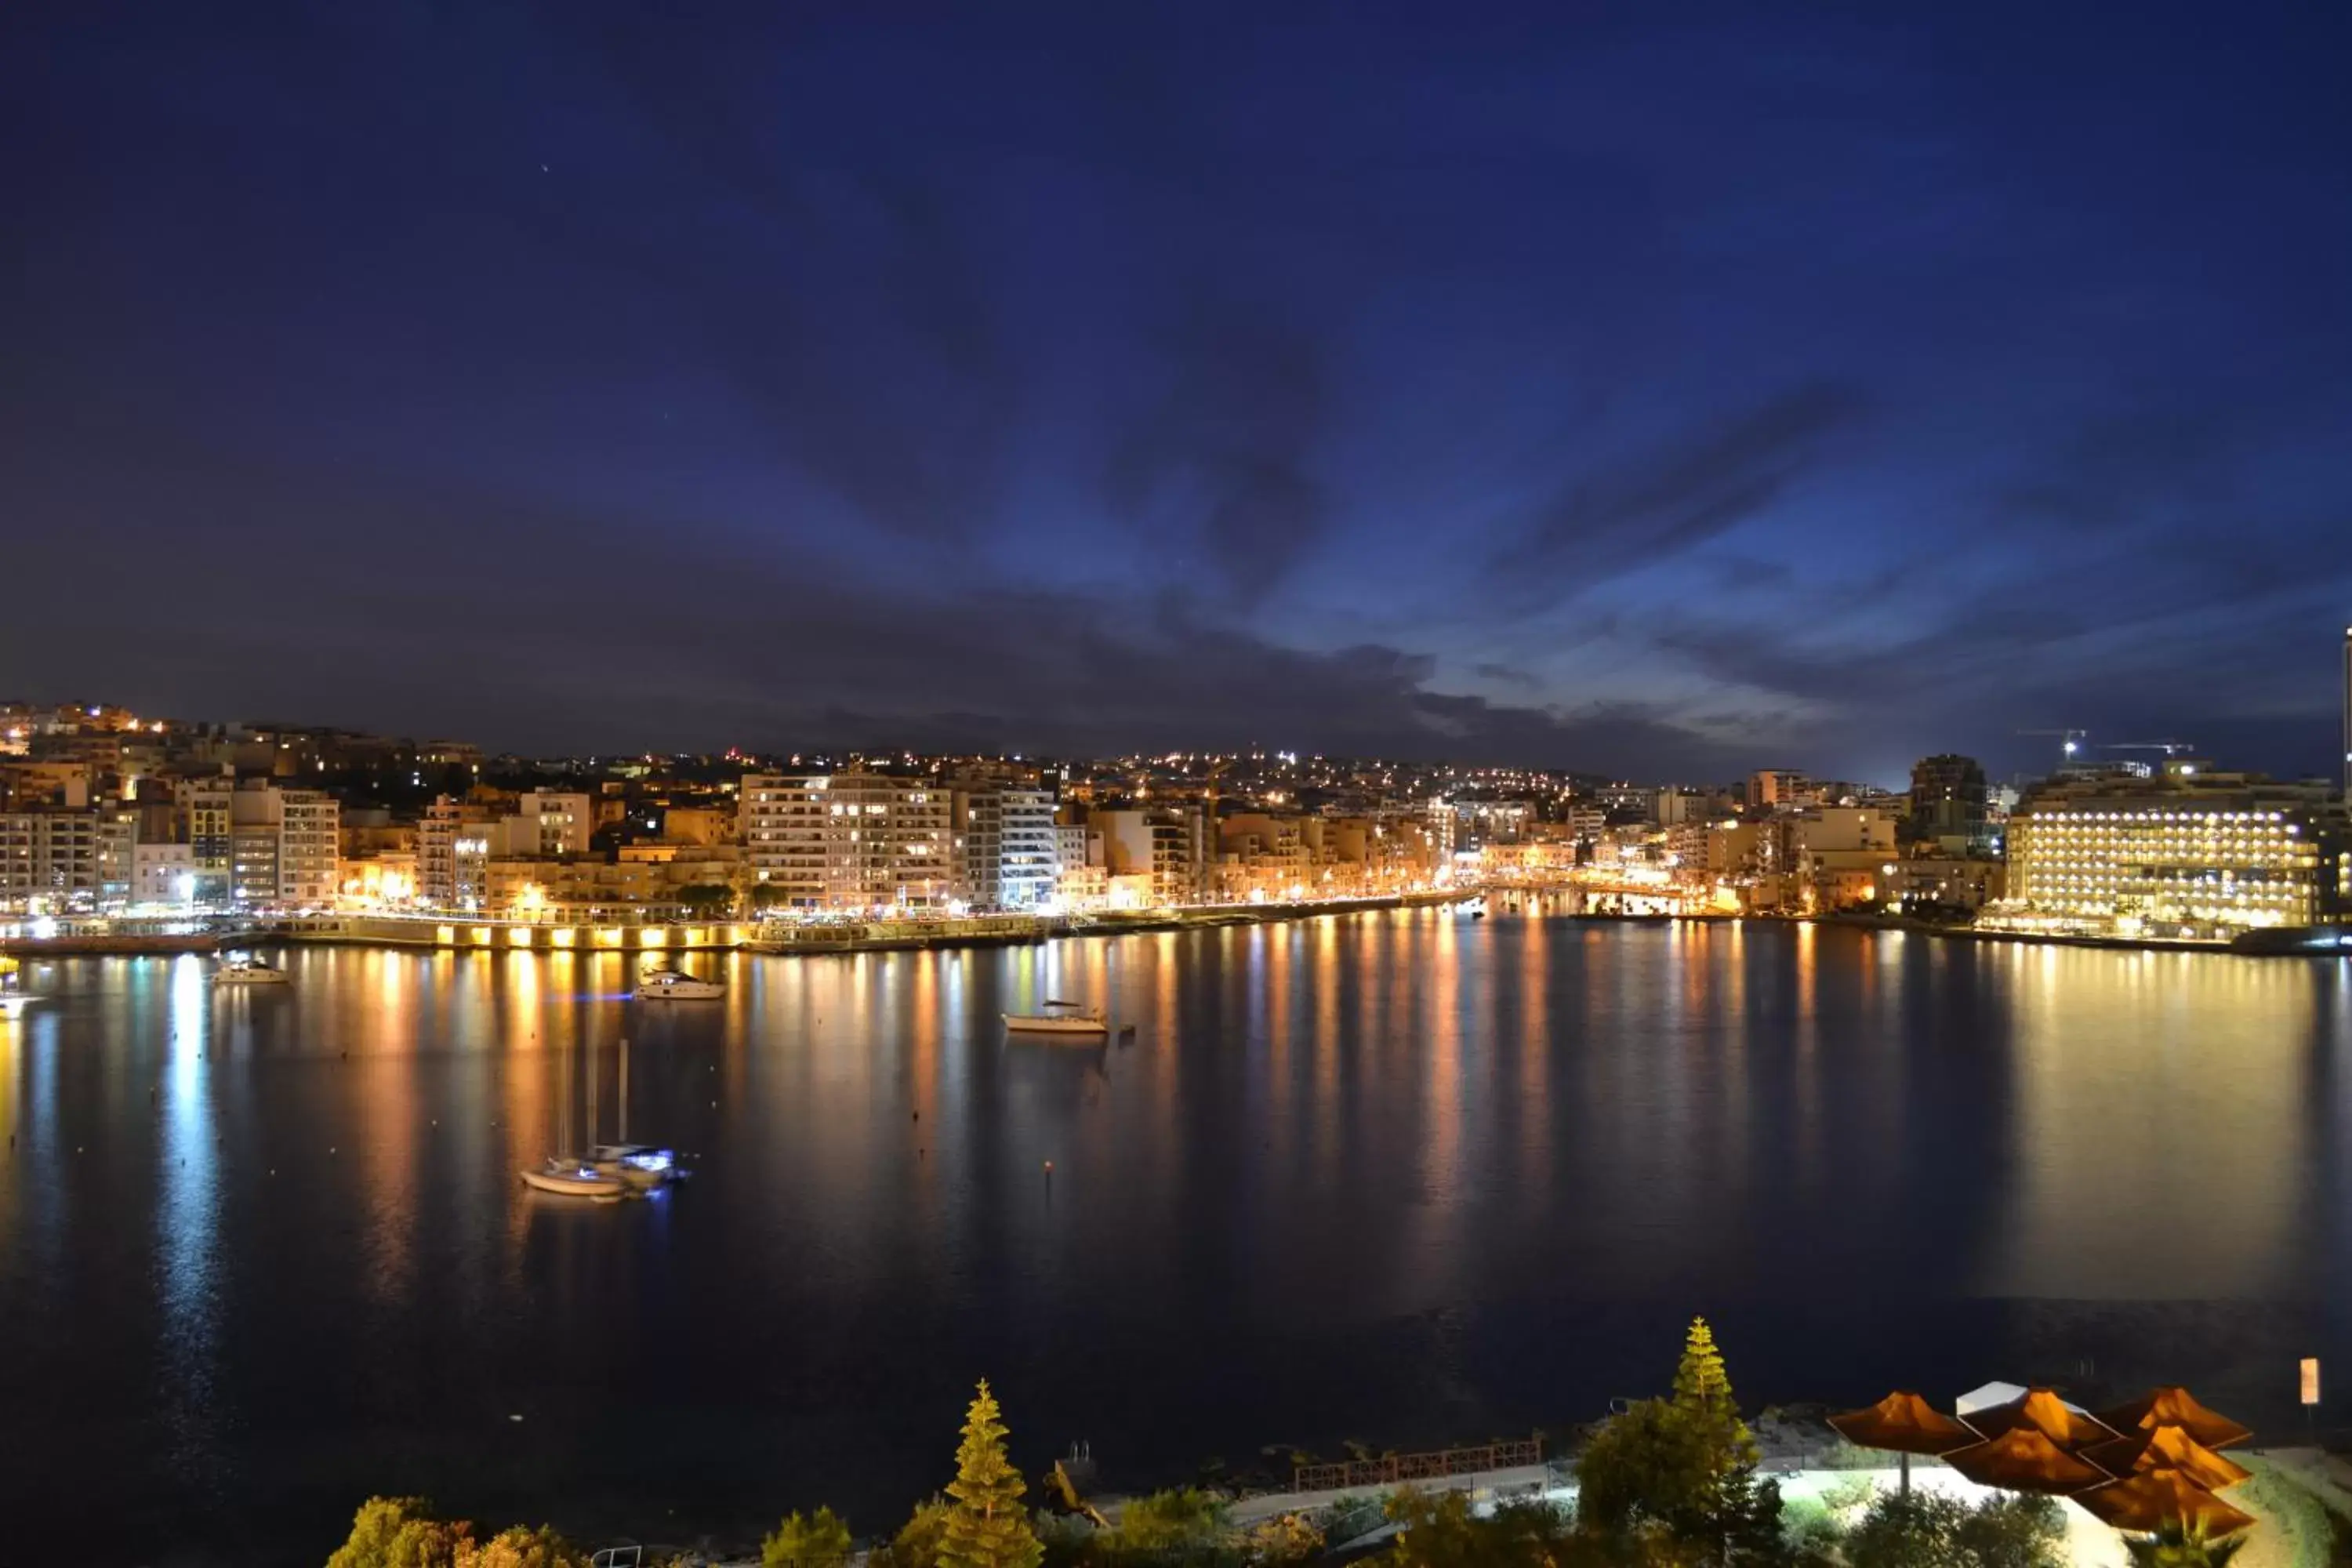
{"x":1606,"y":525}
{"x":1226,"y":451}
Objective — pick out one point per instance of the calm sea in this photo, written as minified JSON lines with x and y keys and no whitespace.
{"x":1398,"y":1177}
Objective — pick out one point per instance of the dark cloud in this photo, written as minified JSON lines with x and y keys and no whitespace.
{"x":1224,"y":452}
{"x":1628,"y":515}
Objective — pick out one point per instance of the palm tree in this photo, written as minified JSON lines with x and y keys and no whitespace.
{"x":2177,"y":1543}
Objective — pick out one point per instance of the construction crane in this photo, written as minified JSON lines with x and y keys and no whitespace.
{"x":2169,"y":748}
{"x":2071,"y":740}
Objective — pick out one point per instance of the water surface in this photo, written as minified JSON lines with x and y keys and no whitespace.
{"x":1399,"y":1177}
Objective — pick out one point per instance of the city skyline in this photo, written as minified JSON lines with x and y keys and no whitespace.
{"x":1653,"y":401}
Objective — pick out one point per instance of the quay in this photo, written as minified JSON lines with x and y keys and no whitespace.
{"x":63,"y":937}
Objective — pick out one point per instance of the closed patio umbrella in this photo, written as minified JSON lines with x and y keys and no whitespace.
{"x":1905,"y":1424}
{"x":2041,"y":1410}
{"x":2024,"y":1459}
{"x":2144,"y":1503}
{"x":2175,"y":1406}
{"x":2166,"y":1448}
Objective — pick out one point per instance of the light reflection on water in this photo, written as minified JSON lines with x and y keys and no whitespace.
{"x":1404,"y":1177}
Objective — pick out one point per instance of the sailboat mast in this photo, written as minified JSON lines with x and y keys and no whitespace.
{"x":590,"y":1047}
{"x":624,"y":1136}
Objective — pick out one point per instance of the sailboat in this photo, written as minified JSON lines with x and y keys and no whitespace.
{"x":574,"y":1175}
{"x":641,"y":1165}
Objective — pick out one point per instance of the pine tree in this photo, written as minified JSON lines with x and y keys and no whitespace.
{"x":1702,"y":1393}
{"x":986,"y":1525}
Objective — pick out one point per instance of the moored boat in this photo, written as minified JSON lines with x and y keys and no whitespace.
{"x":13,"y":1000}
{"x":243,"y":969}
{"x":641,"y":1165}
{"x":662,"y":984}
{"x":1060,"y":1018}
{"x":572,"y":1179}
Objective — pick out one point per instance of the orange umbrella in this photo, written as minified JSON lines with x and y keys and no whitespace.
{"x":2166,"y":1448}
{"x":2024,"y":1459}
{"x":1905,"y":1424}
{"x":2041,"y":1410}
{"x":2146,"y":1501}
{"x":2176,"y":1406}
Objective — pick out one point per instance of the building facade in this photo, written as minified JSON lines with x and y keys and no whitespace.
{"x":2189,"y":854}
{"x":1011,"y":849}
{"x":850,"y":842}
{"x":1947,"y":803}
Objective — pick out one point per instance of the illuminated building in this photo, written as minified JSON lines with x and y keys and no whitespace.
{"x":453,"y":849}
{"x":208,"y":805}
{"x":849,"y":841}
{"x":2347,"y":711}
{"x":2188,"y":853}
{"x":65,"y":859}
{"x":283,"y":846}
{"x":1010,"y":849}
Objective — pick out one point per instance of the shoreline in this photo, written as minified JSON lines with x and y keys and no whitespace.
{"x":461,"y":934}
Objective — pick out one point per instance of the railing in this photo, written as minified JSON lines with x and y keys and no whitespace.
{"x":1399,"y":1467}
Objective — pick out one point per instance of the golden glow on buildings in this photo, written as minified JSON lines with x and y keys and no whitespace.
{"x":2169,"y":863}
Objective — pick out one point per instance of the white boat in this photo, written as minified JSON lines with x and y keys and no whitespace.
{"x":641,"y":1165}
{"x":1060,"y":1018}
{"x":243,"y":968}
{"x":675,"y":985}
{"x":576,"y":1175}
{"x":570,"y":1179}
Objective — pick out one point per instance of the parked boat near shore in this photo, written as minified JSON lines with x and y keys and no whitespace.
{"x":1060,"y":1018}
{"x":243,"y":969}
{"x":666,"y":984}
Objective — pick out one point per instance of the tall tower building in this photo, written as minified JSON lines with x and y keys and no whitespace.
{"x":2348,"y":713}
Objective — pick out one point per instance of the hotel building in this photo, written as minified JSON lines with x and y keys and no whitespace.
{"x":2189,"y":854}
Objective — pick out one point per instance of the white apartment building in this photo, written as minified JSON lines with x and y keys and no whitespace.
{"x":848,"y":842}
{"x":283,"y":846}
{"x":1011,"y":849}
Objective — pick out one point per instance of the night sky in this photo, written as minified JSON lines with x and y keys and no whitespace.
{"x":1661,"y":393}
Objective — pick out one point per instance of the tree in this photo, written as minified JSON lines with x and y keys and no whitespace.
{"x":1184,"y":1521}
{"x":1650,"y":1462}
{"x":2025,"y":1532}
{"x":985,"y":1526}
{"x":1702,"y":1393}
{"x":521,"y":1548}
{"x":706,"y":896}
{"x":1924,"y":1529}
{"x":814,"y":1542}
{"x":1914,"y":1530}
{"x":1444,"y":1532}
{"x":1657,"y":1468}
{"x":917,"y":1545}
{"x":400,"y":1532}
{"x":2181,"y":1545}
{"x":1283,"y":1542}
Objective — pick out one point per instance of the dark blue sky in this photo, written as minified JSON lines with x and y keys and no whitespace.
{"x":1661,"y":391}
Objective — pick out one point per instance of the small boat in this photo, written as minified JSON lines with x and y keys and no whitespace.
{"x":1060,"y":1018}
{"x":572,"y":1179}
{"x":675,"y":985}
{"x":243,"y":969}
{"x":13,"y":1000}
{"x":641,"y":1165}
